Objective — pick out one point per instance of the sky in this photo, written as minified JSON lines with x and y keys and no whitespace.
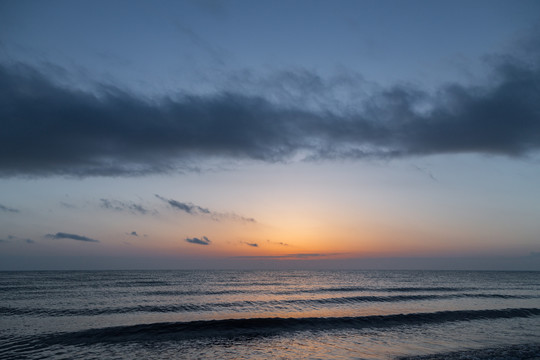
{"x":270,"y":134}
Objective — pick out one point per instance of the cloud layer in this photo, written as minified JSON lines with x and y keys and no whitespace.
{"x":62,"y":235}
{"x":48,"y":129}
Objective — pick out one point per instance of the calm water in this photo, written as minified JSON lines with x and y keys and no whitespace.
{"x":264,"y":314}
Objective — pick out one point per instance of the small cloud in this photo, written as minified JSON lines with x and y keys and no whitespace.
{"x":61,"y":235}
{"x":203,"y":241}
{"x":8,"y":209}
{"x":29,"y":241}
{"x":252,"y":244}
{"x":134,"y":233}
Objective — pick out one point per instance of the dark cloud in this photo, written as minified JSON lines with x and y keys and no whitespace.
{"x":8,"y":209}
{"x":252,"y":244}
{"x":48,"y":129}
{"x":117,"y":205}
{"x":61,"y":235}
{"x":133,"y":233}
{"x":203,"y":241}
{"x":193,"y":209}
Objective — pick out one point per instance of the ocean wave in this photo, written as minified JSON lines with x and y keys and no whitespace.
{"x":390,"y":289}
{"x":243,"y":305}
{"x":196,"y":292}
{"x":400,"y":298}
{"x":252,"y":327}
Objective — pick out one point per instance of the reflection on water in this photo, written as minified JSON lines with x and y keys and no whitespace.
{"x":350,"y":314}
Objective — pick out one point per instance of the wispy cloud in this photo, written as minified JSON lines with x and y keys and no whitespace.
{"x":215,"y":53}
{"x":68,"y":205}
{"x":62,"y":235}
{"x":117,"y":133}
{"x":197,"y":241}
{"x":236,"y":217}
{"x":277,"y":243}
{"x":8,"y":209}
{"x":251,"y":244}
{"x":133,"y":233}
{"x":189,"y":208}
{"x":12,"y":237}
{"x":117,"y":205}
{"x":426,"y":171}
{"x":193,"y":209}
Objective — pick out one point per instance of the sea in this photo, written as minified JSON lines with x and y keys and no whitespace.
{"x":269,"y":315}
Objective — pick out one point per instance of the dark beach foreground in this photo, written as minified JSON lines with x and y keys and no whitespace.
{"x":515,"y":352}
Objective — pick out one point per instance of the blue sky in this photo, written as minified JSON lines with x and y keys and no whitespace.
{"x":287,"y":134}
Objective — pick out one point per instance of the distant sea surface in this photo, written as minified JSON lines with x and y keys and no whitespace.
{"x":269,"y":314}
